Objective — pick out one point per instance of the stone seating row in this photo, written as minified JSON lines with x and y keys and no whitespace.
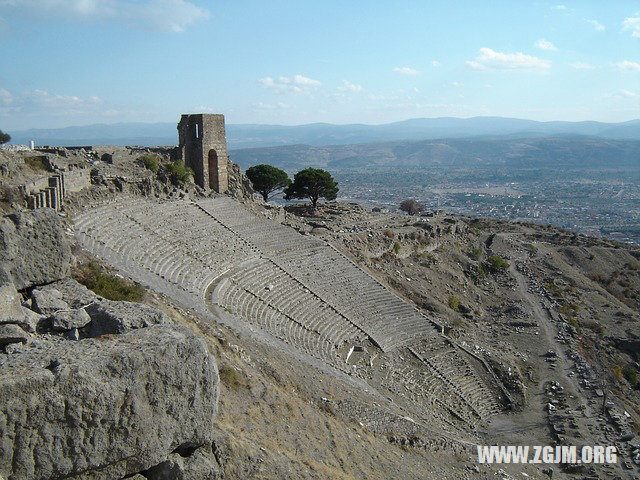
{"x":271,"y":285}
{"x":148,"y":246}
{"x":251,"y":308}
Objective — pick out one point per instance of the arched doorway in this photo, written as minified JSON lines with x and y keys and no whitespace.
{"x":213,"y":170}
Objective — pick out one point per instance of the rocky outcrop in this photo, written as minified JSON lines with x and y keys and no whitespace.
{"x":239,"y":184}
{"x":13,"y":313}
{"x":33,"y":249}
{"x":104,"y":407}
{"x":92,"y":388}
{"x":119,"y":317}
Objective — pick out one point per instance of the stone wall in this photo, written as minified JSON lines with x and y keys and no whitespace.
{"x":76,"y":180}
{"x":50,"y":191}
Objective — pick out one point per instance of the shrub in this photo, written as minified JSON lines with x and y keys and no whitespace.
{"x":476,"y":253}
{"x":151,"y":162}
{"x":617,"y":373}
{"x":631,"y":375}
{"x":575,"y":323}
{"x":594,"y":326}
{"x":454,"y":303}
{"x":108,"y":286}
{"x":36,"y":163}
{"x":396,"y":247}
{"x":497,"y":263}
{"x":389,"y":233}
{"x":230,"y":377}
{"x":411,"y":206}
{"x":481,"y":272}
{"x":179,"y":173}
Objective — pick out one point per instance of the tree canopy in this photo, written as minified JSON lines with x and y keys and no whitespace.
{"x":267,"y":179}
{"x":4,"y":137}
{"x":312,"y":183}
{"x":411,"y":206}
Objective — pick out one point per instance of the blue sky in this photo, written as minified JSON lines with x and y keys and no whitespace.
{"x":77,"y":62}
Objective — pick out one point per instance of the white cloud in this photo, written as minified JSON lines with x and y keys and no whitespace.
{"x":347,"y":86}
{"x":42,"y":102}
{"x":489,"y":59}
{"x":435,"y":63}
{"x":628,"y":65}
{"x":545,"y":45}
{"x":406,"y":71}
{"x":41,"y":99}
{"x":456,"y":84}
{"x":596,"y":25}
{"x":559,"y":7}
{"x":5,"y":97}
{"x":306,"y":81}
{"x":298,"y":84}
{"x":161,"y":15}
{"x":632,"y":24}
{"x":581,"y":66}
{"x":270,"y":106}
{"x":629,"y":94}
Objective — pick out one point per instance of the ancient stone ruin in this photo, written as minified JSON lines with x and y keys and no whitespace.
{"x":91,"y":388}
{"x":203,"y":147}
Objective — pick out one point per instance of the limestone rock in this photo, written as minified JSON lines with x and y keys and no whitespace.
{"x":118,"y":317}
{"x":12,"y":311}
{"x":69,"y":319}
{"x":48,"y":301}
{"x":33,"y":248}
{"x":12,"y":334}
{"x":200,"y":465}
{"x":75,"y":294}
{"x":107,"y":407}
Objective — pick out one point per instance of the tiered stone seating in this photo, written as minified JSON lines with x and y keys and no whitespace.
{"x":387,"y":320}
{"x":426,"y":388}
{"x":467,"y":382}
{"x":175,"y":241}
{"x":272,"y":285}
{"x":253,"y":309}
{"x":296,"y":287}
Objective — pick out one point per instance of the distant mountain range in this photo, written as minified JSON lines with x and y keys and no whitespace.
{"x":565,"y":151}
{"x":323,"y":134}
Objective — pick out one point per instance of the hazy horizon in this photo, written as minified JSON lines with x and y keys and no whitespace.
{"x":326,"y":123}
{"x":84,"y":62}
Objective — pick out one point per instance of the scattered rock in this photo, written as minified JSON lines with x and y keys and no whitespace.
{"x":13,"y":312}
{"x":75,"y":294}
{"x":48,"y":301}
{"x":12,"y":334}
{"x":65,"y":320}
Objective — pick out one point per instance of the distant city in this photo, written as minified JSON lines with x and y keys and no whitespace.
{"x":600,"y":203}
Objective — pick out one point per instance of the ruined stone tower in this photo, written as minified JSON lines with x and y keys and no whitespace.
{"x":203,"y":146}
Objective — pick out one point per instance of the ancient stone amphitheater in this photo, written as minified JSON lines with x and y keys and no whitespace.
{"x":216,"y":256}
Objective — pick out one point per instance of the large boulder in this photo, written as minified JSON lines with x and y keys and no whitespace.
{"x":48,"y":301}
{"x":118,"y":317}
{"x":33,"y":248}
{"x":12,"y":311}
{"x":105,"y":407}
